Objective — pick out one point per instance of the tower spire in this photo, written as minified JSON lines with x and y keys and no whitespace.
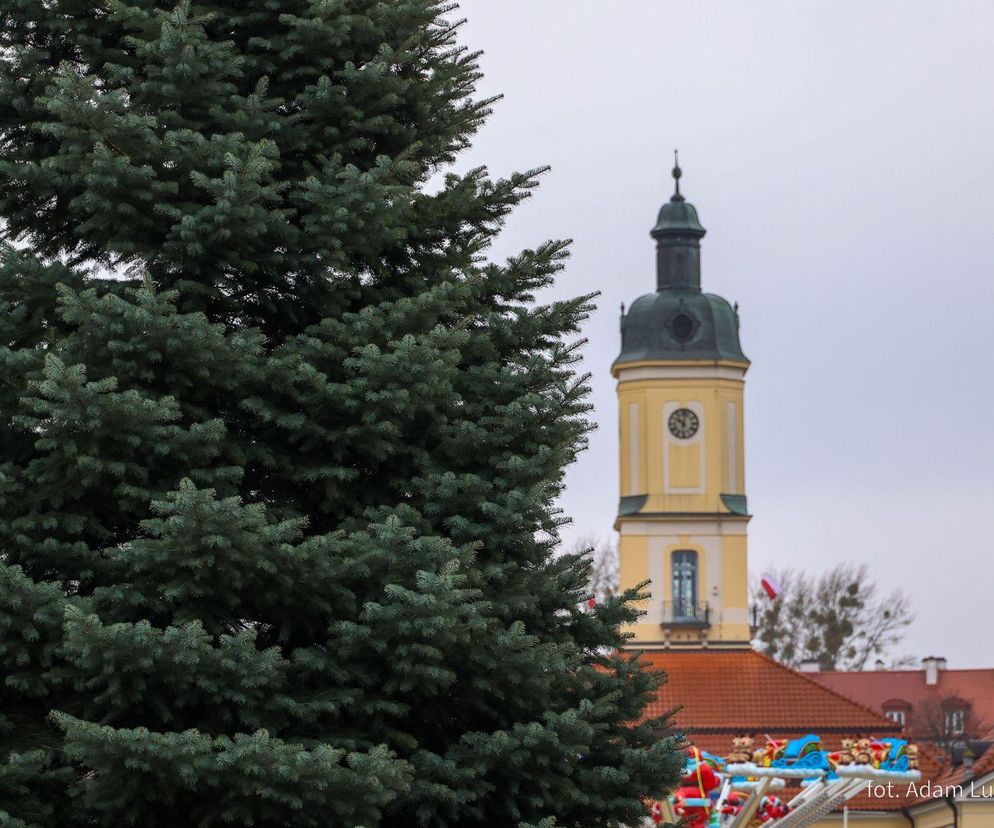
{"x":678,"y":235}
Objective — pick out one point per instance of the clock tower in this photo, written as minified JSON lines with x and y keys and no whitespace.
{"x":682,"y":515}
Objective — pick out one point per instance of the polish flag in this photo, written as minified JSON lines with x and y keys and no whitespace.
{"x":770,"y":585}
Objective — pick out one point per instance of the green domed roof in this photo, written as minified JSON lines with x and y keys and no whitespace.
{"x":677,"y":217}
{"x":679,"y":321}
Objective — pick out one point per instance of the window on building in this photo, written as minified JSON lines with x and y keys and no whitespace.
{"x":955,"y":722}
{"x":897,"y":710}
{"x":685,"y":584}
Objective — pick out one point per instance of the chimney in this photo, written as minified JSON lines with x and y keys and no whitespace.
{"x":932,"y":665}
{"x":809,"y":665}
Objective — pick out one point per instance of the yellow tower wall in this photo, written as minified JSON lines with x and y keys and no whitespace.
{"x":674,"y":488}
{"x":681,"y":475}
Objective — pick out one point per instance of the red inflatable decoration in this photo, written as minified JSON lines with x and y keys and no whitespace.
{"x":772,"y":808}
{"x":692,"y":801}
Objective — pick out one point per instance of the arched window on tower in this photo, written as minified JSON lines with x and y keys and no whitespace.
{"x":685,"y":584}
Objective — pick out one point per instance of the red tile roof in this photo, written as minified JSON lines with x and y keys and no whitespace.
{"x":877,"y":687}
{"x":721,"y":693}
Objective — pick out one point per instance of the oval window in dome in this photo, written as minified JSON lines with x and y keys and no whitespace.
{"x":682,"y":326}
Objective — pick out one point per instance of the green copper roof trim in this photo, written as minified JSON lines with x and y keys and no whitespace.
{"x":736,"y":504}
{"x":631,"y":505}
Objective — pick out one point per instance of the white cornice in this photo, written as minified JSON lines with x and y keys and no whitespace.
{"x":675,"y":528}
{"x":710,"y":371}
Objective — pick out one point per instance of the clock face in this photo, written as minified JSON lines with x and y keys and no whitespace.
{"x":683,"y":423}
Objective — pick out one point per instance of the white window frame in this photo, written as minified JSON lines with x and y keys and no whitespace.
{"x":955,"y":722}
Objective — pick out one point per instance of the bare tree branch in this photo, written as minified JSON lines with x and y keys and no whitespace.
{"x":834,"y":618}
{"x":603,"y":554}
{"x":947,"y":721}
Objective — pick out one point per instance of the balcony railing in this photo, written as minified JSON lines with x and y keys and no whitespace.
{"x":685,"y":614}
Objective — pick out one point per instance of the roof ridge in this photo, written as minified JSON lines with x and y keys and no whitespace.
{"x":865,"y":708}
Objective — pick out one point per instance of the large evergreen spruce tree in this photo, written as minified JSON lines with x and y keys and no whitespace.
{"x":278,"y":448}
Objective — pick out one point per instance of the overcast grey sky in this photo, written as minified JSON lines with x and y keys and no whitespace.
{"x":841,"y":156}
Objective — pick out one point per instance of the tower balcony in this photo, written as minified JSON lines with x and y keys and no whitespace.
{"x":686,"y":614}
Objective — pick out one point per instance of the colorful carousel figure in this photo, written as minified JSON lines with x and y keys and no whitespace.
{"x":748,"y":787}
{"x":889,"y":759}
{"x":803,"y":758}
{"x":694,"y":800}
{"x":704,"y":797}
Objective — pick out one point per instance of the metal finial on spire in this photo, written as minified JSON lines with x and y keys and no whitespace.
{"x":677,"y":172}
